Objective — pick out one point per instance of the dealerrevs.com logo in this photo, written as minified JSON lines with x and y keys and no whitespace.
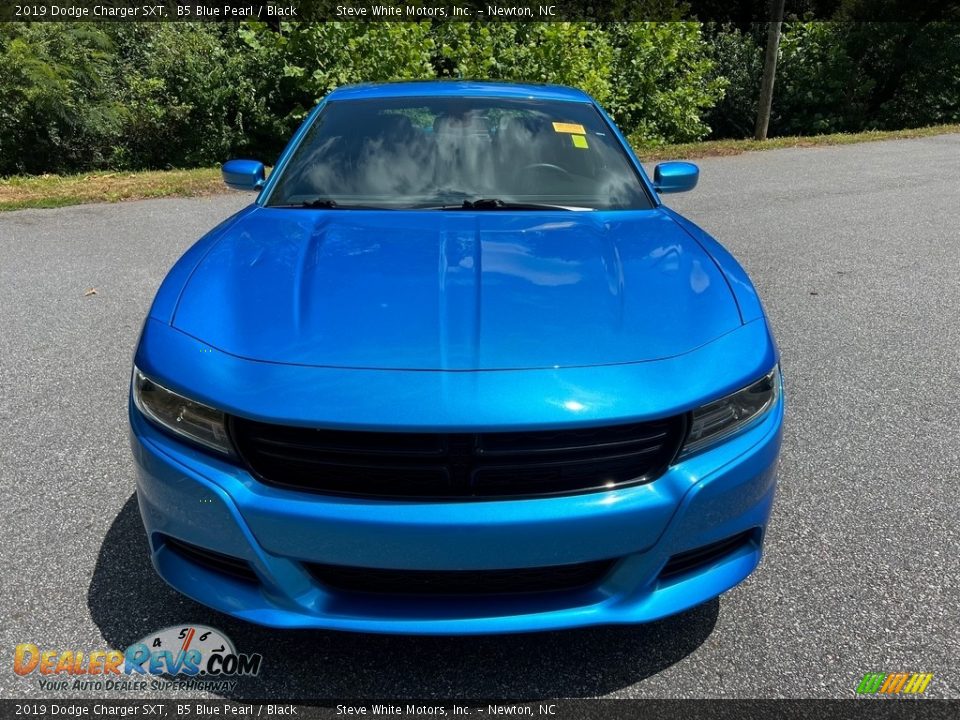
{"x":182,"y":656}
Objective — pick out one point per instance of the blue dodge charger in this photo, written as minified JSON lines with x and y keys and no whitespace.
{"x":457,"y":369}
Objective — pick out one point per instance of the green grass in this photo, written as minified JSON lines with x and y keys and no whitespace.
{"x":714,"y":148}
{"x":46,"y":191}
{"x":50,"y":191}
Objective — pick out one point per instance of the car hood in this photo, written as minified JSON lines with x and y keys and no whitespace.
{"x":435,"y":290}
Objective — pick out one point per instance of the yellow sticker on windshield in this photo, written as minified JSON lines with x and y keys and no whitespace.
{"x":580,"y":141}
{"x":569,"y":128}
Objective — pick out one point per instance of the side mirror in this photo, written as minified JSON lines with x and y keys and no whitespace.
{"x":243,"y":174}
{"x":673,"y":177}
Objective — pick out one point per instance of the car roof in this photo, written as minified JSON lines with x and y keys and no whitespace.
{"x":458,"y":88}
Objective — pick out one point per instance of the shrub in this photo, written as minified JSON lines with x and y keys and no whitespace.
{"x":78,"y":96}
{"x":191,"y":95}
{"x":563,"y":53}
{"x":738,"y":58}
{"x":913,"y":72}
{"x":315,"y":58}
{"x":125,"y":95}
{"x":819,"y":87}
{"x":56,"y":112}
{"x":661,"y":82}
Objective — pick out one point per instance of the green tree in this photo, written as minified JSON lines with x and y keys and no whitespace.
{"x":564,"y":53}
{"x":913,"y":70}
{"x":661,"y":81}
{"x":316,"y":58}
{"x":191,"y":95}
{"x":738,"y":61}
{"x":56,"y":111}
{"x":819,"y":88}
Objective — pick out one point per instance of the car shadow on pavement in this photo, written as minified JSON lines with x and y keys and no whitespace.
{"x":127,"y":600}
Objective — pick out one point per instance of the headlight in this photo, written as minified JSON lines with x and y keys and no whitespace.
{"x":721,"y":418}
{"x":188,"y":418}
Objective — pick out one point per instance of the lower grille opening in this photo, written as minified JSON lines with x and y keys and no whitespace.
{"x":554,"y":578}
{"x":704,"y":555}
{"x":217,"y":562}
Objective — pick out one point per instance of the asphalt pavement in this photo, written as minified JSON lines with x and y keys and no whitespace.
{"x":856,"y":253}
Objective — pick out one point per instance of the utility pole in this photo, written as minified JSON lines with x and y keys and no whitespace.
{"x":769,"y":69}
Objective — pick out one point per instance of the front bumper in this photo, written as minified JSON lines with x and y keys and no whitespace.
{"x":199,"y":499}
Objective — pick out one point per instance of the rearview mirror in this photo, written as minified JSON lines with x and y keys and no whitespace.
{"x":243,"y":174}
{"x":673,"y":177}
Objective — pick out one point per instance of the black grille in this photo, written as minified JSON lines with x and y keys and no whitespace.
{"x":555,"y":578}
{"x":457,"y":465}
{"x":705,"y":555}
{"x":218,"y":562}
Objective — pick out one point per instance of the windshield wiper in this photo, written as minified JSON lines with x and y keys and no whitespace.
{"x":498,"y":204}
{"x":328,"y":204}
{"x":479,"y":204}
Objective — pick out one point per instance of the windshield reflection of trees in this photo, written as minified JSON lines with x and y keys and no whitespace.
{"x":405,"y":158}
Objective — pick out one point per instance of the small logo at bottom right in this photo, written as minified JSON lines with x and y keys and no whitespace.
{"x":897,"y":683}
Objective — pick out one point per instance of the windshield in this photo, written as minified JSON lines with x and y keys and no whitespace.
{"x":450,"y":152}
